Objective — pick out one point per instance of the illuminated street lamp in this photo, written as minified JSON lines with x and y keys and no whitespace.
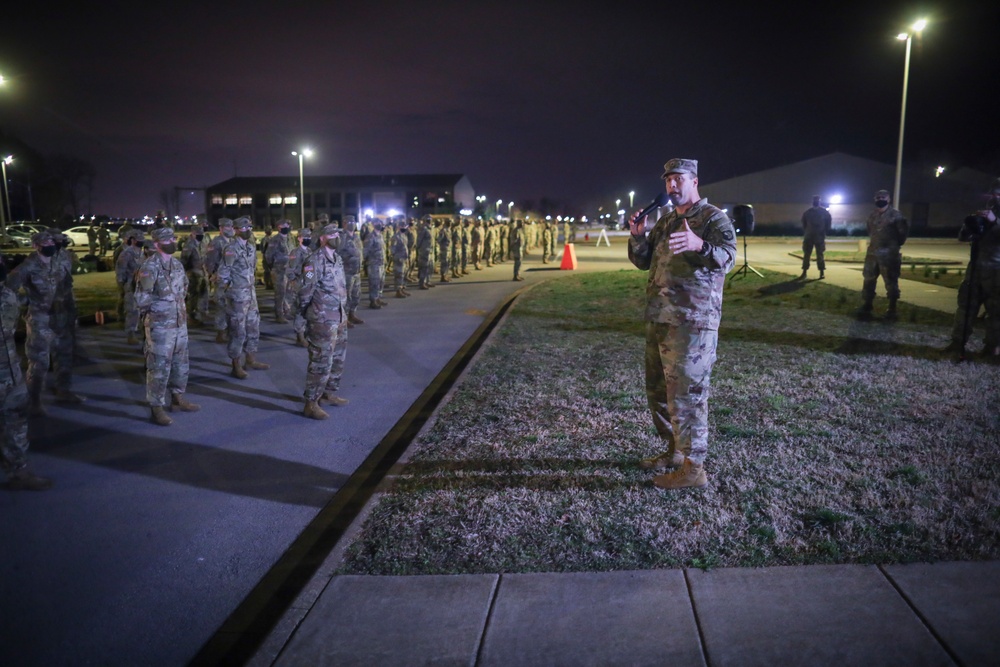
{"x":908,"y":36}
{"x":5,"y":201}
{"x":499,"y":204}
{"x":631,"y":197}
{"x":510,"y":205}
{"x":304,"y":153}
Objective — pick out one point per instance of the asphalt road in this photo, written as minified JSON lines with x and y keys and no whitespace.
{"x":152,"y":536}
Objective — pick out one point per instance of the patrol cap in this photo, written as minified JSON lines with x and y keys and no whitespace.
{"x":135,"y":234}
{"x":324,"y":217}
{"x":196,"y":227}
{"x":349,"y":218}
{"x":283,"y":223}
{"x":304,"y":233}
{"x":39,"y":238}
{"x":679,"y":165}
{"x":163,"y":234}
{"x":330,"y":229}
{"x":225,"y":222}
{"x":243,"y":223}
{"x":882,"y":193}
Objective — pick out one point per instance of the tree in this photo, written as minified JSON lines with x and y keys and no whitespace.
{"x":74,"y":178}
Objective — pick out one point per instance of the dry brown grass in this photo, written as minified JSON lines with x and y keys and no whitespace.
{"x":832,"y":441}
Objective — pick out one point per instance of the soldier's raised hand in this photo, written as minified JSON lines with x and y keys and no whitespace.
{"x":684,"y":240}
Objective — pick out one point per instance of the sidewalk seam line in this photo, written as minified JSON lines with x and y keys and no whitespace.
{"x":489,"y":620}
{"x":697,"y":619}
{"x":916,"y":612}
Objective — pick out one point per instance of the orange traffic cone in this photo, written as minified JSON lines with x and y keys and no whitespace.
{"x":569,"y":257}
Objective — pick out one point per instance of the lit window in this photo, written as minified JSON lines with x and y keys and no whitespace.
{"x":274,"y":200}
{"x":231,"y":200}
{"x":216,"y":200}
{"x":291,"y":200}
{"x":246,"y":200}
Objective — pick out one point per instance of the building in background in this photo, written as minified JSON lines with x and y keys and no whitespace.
{"x":267,"y":199}
{"x":935,"y":204}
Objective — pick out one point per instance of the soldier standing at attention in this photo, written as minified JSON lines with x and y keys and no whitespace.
{"x":227,"y":235}
{"x":104,"y":236}
{"x":193,"y":261}
{"x":400,"y":254}
{"x":293,"y":280}
{"x":265,"y":242}
{"x":374,"y":255}
{"x":322,"y":300}
{"x":816,"y":224}
{"x":13,"y":399}
{"x":351,"y":253}
{"x":276,"y":255}
{"x":687,"y":253}
{"x":425,"y":254}
{"x":160,"y":288}
{"x":92,"y":238}
{"x":444,"y":250}
{"x":517,"y":241}
{"x":237,"y":279}
{"x":887,"y":232}
{"x":125,"y":269}
{"x":476,"y":243}
{"x":45,"y":281}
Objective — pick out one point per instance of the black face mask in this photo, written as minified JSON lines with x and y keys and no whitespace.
{"x":246,"y":235}
{"x":881,"y":203}
{"x":199,"y":237}
{"x":284,"y":230}
{"x":47,"y":250}
{"x":169,"y":248}
{"x":306,"y":243}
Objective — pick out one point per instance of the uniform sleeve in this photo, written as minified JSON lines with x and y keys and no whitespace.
{"x":144,"y":284}
{"x":902,"y":229}
{"x":721,"y":237}
{"x":307,"y":283}
{"x":640,"y":249}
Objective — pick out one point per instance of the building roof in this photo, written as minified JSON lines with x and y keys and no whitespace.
{"x":278,"y":183}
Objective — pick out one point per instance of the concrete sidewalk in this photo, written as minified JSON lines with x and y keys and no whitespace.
{"x":941,"y":614}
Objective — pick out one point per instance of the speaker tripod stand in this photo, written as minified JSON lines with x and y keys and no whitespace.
{"x":746,"y":268}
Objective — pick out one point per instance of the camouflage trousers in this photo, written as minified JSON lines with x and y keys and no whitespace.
{"x":477,"y":251}
{"x":280,"y":285}
{"x":678,"y":377}
{"x":808,"y":243}
{"x":166,"y":363}
{"x":399,"y":275}
{"x":49,"y":342}
{"x":292,"y":307}
{"x":197,"y":297}
{"x":376,"y":278}
{"x":217,"y":304}
{"x":243,"y":324}
{"x":425,"y":268}
{"x":131,"y":310}
{"x":120,"y":303}
{"x":517,"y":265}
{"x":327,"y":352}
{"x":353,"y":281}
{"x":13,"y":425}
{"x":985,"y":291}
{"x":445,"y":265}
{"x":881,"y":263}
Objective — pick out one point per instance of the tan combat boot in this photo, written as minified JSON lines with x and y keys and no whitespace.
{"x":332,"y":399}
{"x":313,"y":411}
{"x":221,"y":337}
{"x":662,"y":461}
{"x":399,"y":293}
{"x":300,"y":339}
{"x":131,"y":339}
{"x":178,"y":402}
{"x":253,"y":364}
{"x":354,"y":319}
{"x":690,"y":474}
{"x":238,"y":371}
{"x":160,"y":417}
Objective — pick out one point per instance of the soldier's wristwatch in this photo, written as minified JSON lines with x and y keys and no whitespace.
{"x":705,"y":249}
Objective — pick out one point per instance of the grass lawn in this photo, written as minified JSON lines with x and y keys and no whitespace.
{"x":832,"y":441}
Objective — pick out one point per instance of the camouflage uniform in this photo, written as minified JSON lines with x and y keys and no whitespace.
{"x":887,"y":232}
{"x":193,"y":260}
{"x":816,"y":224}
{"x":425,"y":255}
{"x":13,"y":391}
{"x":351,"y":252}
{"x":216,"y":295}
{"x":125,"y":269}
{"x":322,"y":299}
{"x":160,"y":289}
{"x":374,"y":254}
{"x":518,"y":241}
{"x":48,"y":285}
{"x":444,"y":251}
{"x":476,"y":243}
{"x":237,"y":280}
{"x":293,"y":280}
{"x":276,"y":255}
{"x":683,"y":309}
{"x":465,"y":241}
{"x":400,"y":253}
{"x":548,"y":242}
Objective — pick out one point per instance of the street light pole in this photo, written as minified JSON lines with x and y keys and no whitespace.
{"x":304,"y":153}
{"x":908,"y":36}
{"x":5,"y":203}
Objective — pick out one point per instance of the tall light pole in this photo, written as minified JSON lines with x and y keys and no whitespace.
{"x":510,"y":206}
{"x":908,"y":36}
{"x":631,"y":198}
{"x":304,"y":153}
{"x":5,"y":204}
{"x":499,"y":204}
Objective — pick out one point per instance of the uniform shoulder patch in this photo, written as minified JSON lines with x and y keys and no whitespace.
{"x":728,"y":235}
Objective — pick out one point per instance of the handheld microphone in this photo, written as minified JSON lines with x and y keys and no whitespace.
{"x":659,"y":202}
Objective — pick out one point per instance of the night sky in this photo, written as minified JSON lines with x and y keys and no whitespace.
{"x":577,"y":102}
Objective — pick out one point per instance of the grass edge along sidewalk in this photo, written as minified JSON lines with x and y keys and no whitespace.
{"x":832,"y":441}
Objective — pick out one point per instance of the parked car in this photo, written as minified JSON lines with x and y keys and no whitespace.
{"x":26,"y":227}
{"x":11,"y":241}
{"x":77,"y":235}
